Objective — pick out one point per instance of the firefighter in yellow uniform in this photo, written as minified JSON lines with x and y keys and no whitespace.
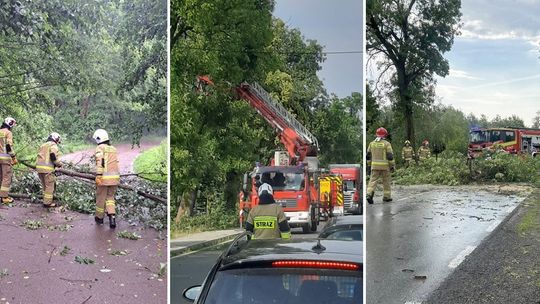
{"x":267,"y":220}
{"x":424,"y":152}
{"x":380,"y":158}
{"x":407,"y":153}
{"x":107,"y":178}
{"x":48,"y":159}
{"x":7,"y":158}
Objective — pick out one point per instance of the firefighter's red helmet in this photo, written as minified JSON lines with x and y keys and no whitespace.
{"x":381,"y":132}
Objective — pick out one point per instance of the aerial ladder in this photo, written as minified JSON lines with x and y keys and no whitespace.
{"x":296,"y":138}
{"x":299,"y":196}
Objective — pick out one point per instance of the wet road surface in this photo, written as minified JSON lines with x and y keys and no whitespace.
{"x":39,"y":266}
{"x":127,"y":155}
{"x":191,"y":269}
{"x":416,"y":241}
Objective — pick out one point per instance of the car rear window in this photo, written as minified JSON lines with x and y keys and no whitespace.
{"x":295,"y":286}
{"x":344,"y":235}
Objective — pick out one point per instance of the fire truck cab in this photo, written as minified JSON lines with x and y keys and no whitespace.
{"x":352,"y":186}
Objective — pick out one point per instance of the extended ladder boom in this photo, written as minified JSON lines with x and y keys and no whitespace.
{"x":277,"y":116}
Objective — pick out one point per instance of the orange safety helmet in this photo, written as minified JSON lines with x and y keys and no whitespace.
{"x":381,"y":132}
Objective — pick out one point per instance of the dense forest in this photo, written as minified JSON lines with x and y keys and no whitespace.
{"x":74,"y":66}
{"x":215,"y":137}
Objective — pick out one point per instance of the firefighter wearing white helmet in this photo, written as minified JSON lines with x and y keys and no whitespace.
{"x":267,"y":219}
{"x":407,"y":153}
{"x":48,"y":159}
{"x":107,"y":178}
{"x":7,"y":158}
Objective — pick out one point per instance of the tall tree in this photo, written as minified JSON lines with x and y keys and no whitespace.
{"x":410,"y":38}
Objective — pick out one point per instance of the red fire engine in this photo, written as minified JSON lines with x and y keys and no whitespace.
{"x":512,"y":140}
{"x":352,"y":186}
{"x":293,"y":174}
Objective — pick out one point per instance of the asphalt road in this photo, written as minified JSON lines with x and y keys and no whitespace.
{"x":191,"y":269}
{"x":49,"y":256}
{"x":415,"y":242}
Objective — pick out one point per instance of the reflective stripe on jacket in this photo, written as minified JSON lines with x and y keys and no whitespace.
{"x":268,"y":221}
{"x":44,"y":164}
{"x":407,"y":153}
{"x":107,"y":165}
{"x":380,"y":155}
{"x":6,"y":138}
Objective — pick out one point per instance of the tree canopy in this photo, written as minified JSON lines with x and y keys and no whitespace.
{"x":408,"y":39}
{"x":73,"y":66}
{"x":215,"y":137}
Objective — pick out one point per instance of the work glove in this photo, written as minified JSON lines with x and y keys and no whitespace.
{"x":392,"y":169}
{"x":59,"y":165}
{"x":14,"y":161}
{"x":99,"y":180}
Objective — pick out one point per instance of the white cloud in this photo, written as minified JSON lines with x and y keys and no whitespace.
{"x":462,"y":74}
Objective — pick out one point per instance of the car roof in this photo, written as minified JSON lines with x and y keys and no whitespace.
{"x":347,"y":220}
{"x":297,"y":249}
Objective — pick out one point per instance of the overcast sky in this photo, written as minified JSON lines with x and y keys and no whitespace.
{"x":495,"y":64}
{"x":337,"y":26}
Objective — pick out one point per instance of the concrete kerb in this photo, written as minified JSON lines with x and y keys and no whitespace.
{"x":179,"y":249}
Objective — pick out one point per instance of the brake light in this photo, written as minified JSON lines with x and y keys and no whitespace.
{"x":316,"y":264}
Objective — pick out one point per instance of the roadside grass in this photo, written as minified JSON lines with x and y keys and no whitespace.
{"x":530,"y":223}
{"x":204,"y":222}
{"x":152,"y":164}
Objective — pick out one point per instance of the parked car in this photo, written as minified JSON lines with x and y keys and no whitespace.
{"x":284,"y":271}
{"x":346,"y":228}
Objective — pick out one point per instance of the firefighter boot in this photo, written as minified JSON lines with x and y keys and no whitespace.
{"x":98,"y":220}
{"x":370,"y":199}
{"x":112,"y":221}
{"x":7,"y":200}
{"x":387,"y":199}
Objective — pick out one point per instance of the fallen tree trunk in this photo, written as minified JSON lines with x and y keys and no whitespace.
{"x":89,"y":176}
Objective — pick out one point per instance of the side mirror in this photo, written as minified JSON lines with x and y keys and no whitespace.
{"x":192,"y":293}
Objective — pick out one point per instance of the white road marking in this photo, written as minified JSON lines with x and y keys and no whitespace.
{"x":511,"y":208}
{"x":461,"y":256}
{"x":402,"y":199}
{"x":493,"y":225}
{"x":413,"y":302}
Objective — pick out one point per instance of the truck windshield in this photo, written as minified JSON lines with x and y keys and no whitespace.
{"x":267,"y":286}
{"x":349,"y":185}
{"x":283,"y":181}
{"x":477,"y":137}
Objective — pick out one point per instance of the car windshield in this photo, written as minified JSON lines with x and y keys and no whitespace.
{"x":294,"y":286}
{"x":477,"y":137}
{"x":283,"y":181}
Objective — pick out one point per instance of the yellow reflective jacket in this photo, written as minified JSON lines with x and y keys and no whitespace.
{"x":407,"y":153}
{"x":269,"y":222}
{"x":6,"y":138}
{"x":424,"y":152}
{"x":380,"y":155}
{"x":107,"y":165}
{"x":44,"y":163}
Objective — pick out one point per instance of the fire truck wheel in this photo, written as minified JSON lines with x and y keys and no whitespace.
{"x":306,"y":228}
